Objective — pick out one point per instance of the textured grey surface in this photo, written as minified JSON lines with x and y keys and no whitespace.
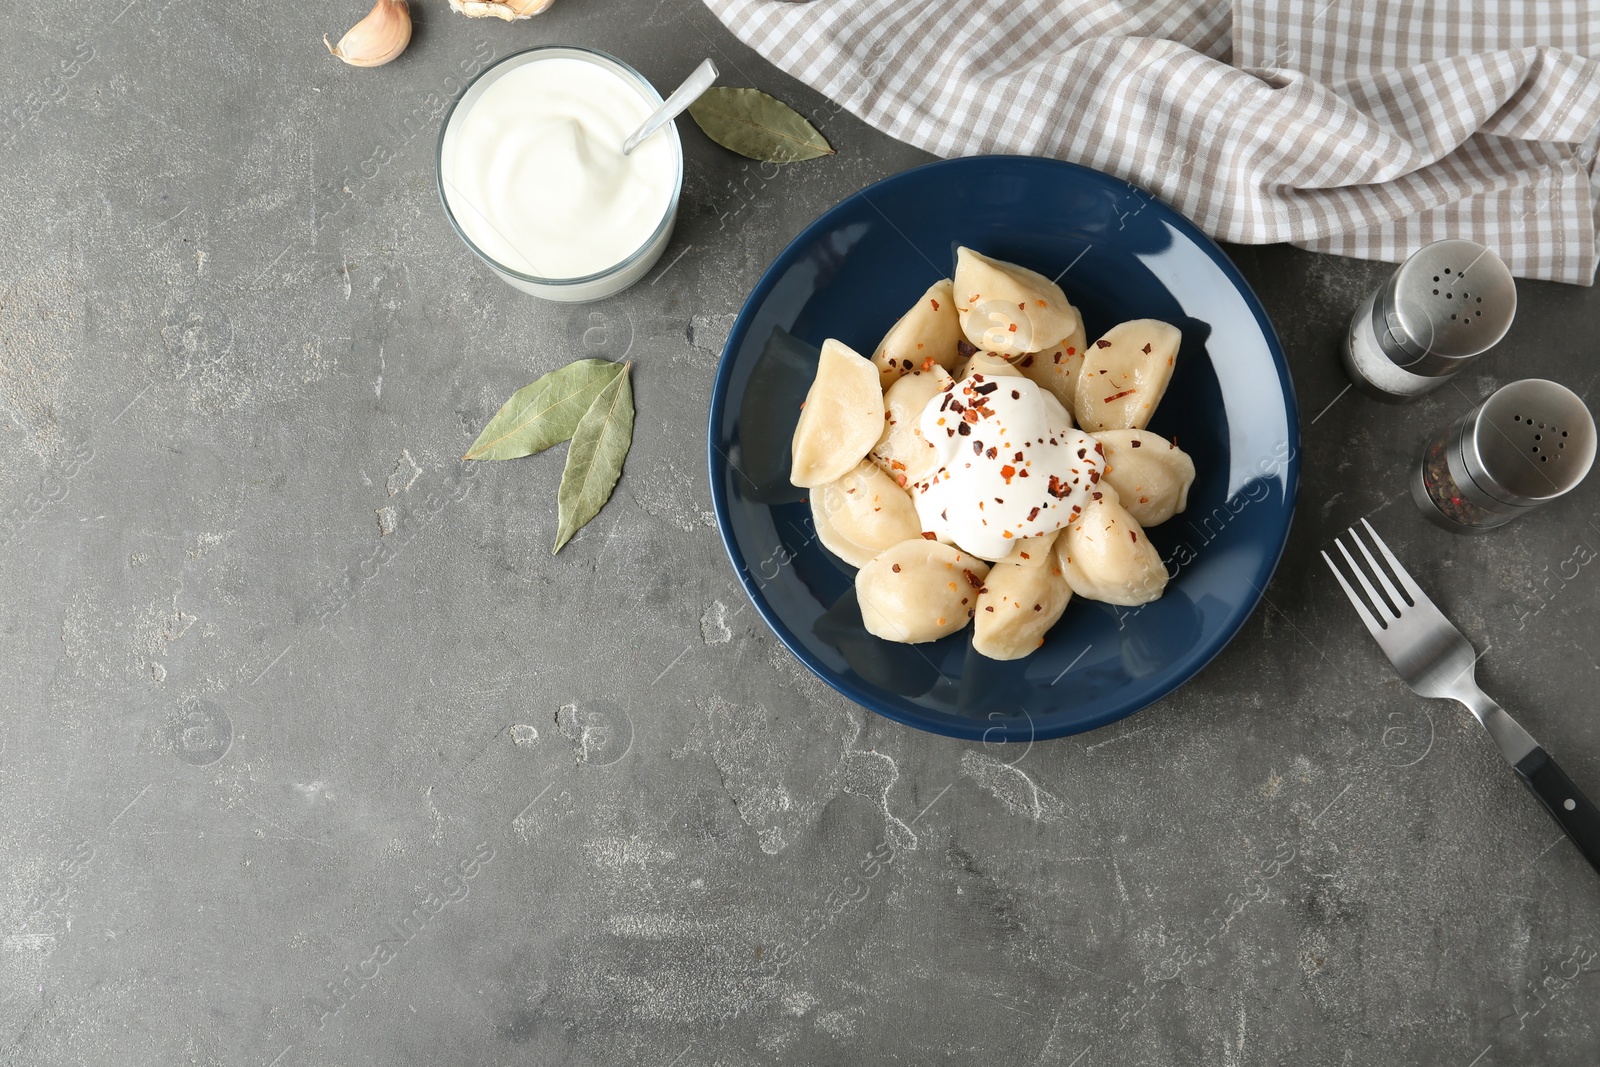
{"x":313,"y":754}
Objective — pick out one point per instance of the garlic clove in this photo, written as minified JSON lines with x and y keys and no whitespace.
{"x":500,"y":9}
{"x":376,"y":39}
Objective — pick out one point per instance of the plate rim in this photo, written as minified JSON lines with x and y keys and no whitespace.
{"x":719,"y":503}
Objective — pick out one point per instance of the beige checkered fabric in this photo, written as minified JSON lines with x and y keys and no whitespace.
{"x":1360,"y":127}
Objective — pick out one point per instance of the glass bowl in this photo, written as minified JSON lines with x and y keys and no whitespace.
{"x":612,"y":279}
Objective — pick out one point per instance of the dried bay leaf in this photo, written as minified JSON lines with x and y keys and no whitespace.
{"x":594,"y":459}
{"x":753,"y":124}
{"x":546,"y":412}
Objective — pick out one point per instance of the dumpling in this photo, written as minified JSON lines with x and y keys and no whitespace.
{"x":930,"y":330}
{"x":1106,"y":556}
{"x":832,"y":540}
{"x":919,"y":591}
{"x":1150,"y":474}
{"x":1124,"y":375}
{"x":1058,"y":367}
{"x":862,"y":514}
{"x":988,"y":364}
{"x":840,"y":420}
{"x":1009,"y":309}
{"x":1022,"y":597}
{"x":902,"y":450}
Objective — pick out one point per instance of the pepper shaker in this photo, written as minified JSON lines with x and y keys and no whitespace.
{"x":1445,"y":306}
{"x":1529,"y":443}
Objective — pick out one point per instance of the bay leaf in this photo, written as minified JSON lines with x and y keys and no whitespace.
{"x":594,"y":459}
{"x":753,"y":124}
{"x":544,"y":413}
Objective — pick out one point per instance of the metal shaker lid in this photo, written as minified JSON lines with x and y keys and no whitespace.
{"x":1530,"y":442}
{"x":1451,"y":301}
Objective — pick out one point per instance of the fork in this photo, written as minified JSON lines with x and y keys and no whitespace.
{"x":1435,"y":660}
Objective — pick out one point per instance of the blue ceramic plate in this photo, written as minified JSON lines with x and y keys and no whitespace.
{"x":1120,"y":254}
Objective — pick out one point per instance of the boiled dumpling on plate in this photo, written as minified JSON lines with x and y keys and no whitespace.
{"x":862,"y":514}
{"x":930,"y":330}
{"x":919,"y":591}
{"x":841,"y":419}
{"x":1058,"y":367}
{"x":902,"y":450}
{"x":1106,"y":556}
{"x":1009,"y":309}
{"x":1023,"y":596}
{"x":1125,"y":374}
{"x":1151,"y":475}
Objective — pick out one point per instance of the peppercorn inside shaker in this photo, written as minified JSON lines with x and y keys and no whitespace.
{"x":1445,"y":306}
{"x":1529,"y":443}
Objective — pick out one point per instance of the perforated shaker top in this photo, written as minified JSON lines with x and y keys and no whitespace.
{"x":1452,"y":300}
{"x":1530,"y":442}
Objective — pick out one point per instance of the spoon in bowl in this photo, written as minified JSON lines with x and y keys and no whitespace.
{"x":686,"y":94}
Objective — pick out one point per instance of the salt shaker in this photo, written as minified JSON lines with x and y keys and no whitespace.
{"x":1529,"y":443}
{"x":1445,"y":306}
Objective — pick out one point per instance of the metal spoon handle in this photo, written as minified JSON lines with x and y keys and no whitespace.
{"x":686,"y":94}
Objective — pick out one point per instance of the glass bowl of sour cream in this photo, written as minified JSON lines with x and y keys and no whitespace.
{"x":533,"y":179}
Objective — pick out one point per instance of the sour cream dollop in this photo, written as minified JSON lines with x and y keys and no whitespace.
{"x":1010,"y":465}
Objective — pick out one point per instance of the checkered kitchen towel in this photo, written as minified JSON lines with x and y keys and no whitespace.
{"x":1361,"y":127}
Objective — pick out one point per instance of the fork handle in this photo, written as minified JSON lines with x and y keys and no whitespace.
{"x":1564,"y":801}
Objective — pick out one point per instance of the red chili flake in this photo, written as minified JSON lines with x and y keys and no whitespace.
{"x":1022,"y":307}
{"x":1144,"y":500}
{"x":1008,"y":472}
{"x":986,"y":388}
{"x":1015,"y":395}
{"x":945,"y":515}
{"x":934,"y":302}
{"x":1058,"y":488}
{"x":1033,"y":514}
{"x":930,"y":536}
{"x":964,"y":429}
{"x":1071,"y":351}
{"x":1027,"y":361}
{"x":1096,"y":496}
{"x":895,"y":464}
{"x":1012,"y":328}
{"x":977,"y":448}
{"x":989,"y":608}
{"x":956,"y":405}
{"x":1043,"y":304}
{"x":1147,"y":349}
{"x":1134,"y":535}
{"x":971,"y":414}
{"x":1038,"y":607}
{"x":973,"y":299}
{"x":1099,"y":449}
{"x":1024,"y":555}
{"x":901,"y":480}
{"x":1169,"y":361}
{"x":802,"y":405}
{"x":927,"y":364}
{"x":1022,"y":473}
{"x":1102,"y":343}
{"x":1082,"y":452}
{"x":1119,"y":396}
{"x":966,"y":349}
{"x":991,"y":453}
{"x":1055,"y":357}
{"x":897,"y":566}
{"x":1136,"y":443}
{"x":1017,"y":458}
{"x":972,"y":579}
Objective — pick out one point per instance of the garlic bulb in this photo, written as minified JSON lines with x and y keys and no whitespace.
{"x":378,"y":38}
{"x":500,"y":9}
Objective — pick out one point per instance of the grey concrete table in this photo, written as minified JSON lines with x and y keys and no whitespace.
{"x":312,"y":753}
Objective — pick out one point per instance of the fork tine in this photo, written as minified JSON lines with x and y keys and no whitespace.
{"x":1413,"y":591}
{"x":1395,"y":600}
{"x":1373,"y":626}
{"x":1379,"y":605}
